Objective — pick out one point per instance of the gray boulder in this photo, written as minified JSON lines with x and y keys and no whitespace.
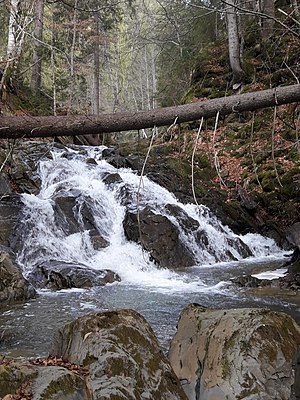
{"x":293,"y":234}
{"x":160,"y":237}
{"x":122,"y":355}
{"x":14,"y":288}
{"x":4,"y":184}
{"x":73,"y":214}
{"x":57,"y":275}
{"x":236,"y":354}
{"x":10,"y":211}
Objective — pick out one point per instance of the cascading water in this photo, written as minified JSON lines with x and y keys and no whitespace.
{"x":158,"y":293}
{"x":46,"y":238}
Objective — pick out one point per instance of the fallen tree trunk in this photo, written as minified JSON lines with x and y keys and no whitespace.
{"x":51,"y":126}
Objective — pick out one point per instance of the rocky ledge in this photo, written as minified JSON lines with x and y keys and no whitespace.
{"x":215,"y":354}
{"x":236,"y":354}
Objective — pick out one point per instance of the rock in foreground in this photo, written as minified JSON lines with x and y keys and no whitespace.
{"x":122,"y":355}
{"x":14,"y":288}
{"x":236,"y":354}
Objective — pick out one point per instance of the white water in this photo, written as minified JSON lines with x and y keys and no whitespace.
{"x":158,"y":294}
{"x":46,"y":239}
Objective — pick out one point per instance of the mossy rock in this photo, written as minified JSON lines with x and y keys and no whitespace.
{"x":13,"y":374}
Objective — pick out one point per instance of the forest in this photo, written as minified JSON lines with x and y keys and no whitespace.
{"x":75,"y":67}
{"x":91,"y":57}
{"x":149,"y":199}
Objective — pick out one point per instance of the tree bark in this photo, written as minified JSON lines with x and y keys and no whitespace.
{"x":267,"y":7}
{"x":52,"y":126}
{"x":36,"y":70}
{"x":234,"y":43}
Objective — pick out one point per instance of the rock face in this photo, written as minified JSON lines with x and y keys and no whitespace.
{"x":160,"y":237}
{"x":236,"y":354}
{"x":10,"y":210}
{"x":122,"y":355}
{"x":58,"y":275}
{"x":14,"y":288}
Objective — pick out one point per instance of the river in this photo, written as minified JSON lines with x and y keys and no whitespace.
{"x":158,"y":294}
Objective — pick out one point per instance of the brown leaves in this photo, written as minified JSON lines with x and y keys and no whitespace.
{"x":60,"y":362}
{"x":23,"y":393}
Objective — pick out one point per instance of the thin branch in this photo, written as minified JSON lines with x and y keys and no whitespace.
{"x":216,"y":159}
{"x":154,"y":132}
{"x":260,"y":14}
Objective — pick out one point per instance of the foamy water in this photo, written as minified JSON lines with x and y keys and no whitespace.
{"x":46,"y":239}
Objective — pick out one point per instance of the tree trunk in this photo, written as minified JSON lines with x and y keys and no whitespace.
{"x":36,"y":70}
{"x":13,"y":30}
{"x":14,"y":42}
{"x":234,"y":43}
{"x":267,"y":24}
{"x":28,"y":126}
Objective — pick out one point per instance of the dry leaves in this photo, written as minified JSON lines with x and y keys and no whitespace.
{"x":60,"y":362}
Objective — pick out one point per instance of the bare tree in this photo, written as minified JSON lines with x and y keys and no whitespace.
{"x":267,"y":18}
{"x":36,"y":70}
{"x":235,"y":56}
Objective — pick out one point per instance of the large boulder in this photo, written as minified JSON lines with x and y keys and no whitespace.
{"x":57,"y":275}
{"x":10,"y":211}
{"x":73,"y":214}
{"x":122,"y":355}
{"x":236,"y":354}
{"x":14,"y":288}
{"x":160,"y":237}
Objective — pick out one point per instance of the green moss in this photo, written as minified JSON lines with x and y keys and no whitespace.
{"x":117,"y":367}
{"x":154,"y":363}
{"x":245,"y":393}
{"x":89,"y":359}
{"x":65,"y":385}
{"x":13,"y":376}
{"x":225,"y":364}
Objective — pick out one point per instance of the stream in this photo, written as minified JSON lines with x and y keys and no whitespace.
{"x":158,"y":294}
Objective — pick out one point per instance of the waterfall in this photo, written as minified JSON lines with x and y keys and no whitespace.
{"x":99,"y":205}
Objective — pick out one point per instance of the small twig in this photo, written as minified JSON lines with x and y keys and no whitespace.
{"x":7,"y":156}
{"x":216,"y":160}
{"x":154,"y":132}
{"x":292,"y":72}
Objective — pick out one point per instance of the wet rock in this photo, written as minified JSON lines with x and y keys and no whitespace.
{"x":4,"y":184}
{"x":290,"y":282}
{"x":73,"y":215}
{"x":64,"y":214}
{"x":113,"y":157}
{"x":10,"y":212}
{"x":236,"y":354}
{"x":249,"y":281}
{"x":187,"y":223}
{"x":91,"y":161}
{"x":293,"y":234}
{"x":110,"y":179}
{"x":160,"y":237}
{"x":122,"y":355}
{"x":14,"y":288}
{"x":98,"y":242}
{"x":57,"y":275}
